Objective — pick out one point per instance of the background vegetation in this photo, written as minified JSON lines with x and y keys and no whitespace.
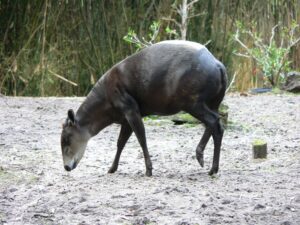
{"x":62,"y":47}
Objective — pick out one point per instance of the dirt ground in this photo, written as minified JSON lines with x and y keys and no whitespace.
{"x":35,"y":189}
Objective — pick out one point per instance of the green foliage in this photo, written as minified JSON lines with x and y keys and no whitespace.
{"x":153,"y":34}
{"x":270,"y":55}
{"x":269,"y":58}
{"x":132,"y":38}
{"x":154,"y":29}
{"x":259,"y":142}
{"x":63,"y":47}
{"x":172,"y":33}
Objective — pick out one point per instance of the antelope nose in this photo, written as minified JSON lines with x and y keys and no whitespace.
{"x":67,"y":168}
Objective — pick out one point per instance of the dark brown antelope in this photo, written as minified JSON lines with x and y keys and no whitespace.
{"x":163,"y":79}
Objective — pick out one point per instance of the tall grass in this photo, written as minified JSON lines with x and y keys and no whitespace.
{"x":62,"y":47}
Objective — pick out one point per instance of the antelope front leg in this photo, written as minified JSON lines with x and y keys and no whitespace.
{"x":125,"y":134}
{"x":131,"y":111}
{"x":136,"y":123}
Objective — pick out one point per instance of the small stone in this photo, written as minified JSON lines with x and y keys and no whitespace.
{"x":85,"y":210}
{"x":259,"y":206}
{"x":142,"y":221}
{"x":183,"y":223}
{"x":226,"y":201}
{"x":297,"y":198}
{"x":40,"y":173}
{"x":286,"y":223}
{"x":13,"y":189}
{"x":292,"y":82}
{"x":203,"y":206}
{"x":292,"y":209}
{"x":82,"y":199}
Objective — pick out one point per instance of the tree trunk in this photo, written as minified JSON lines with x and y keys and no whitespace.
{"x":259,"y":148}
{"x":184,"y":18}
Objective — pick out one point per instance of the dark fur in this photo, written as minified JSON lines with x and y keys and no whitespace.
{"x":163,"y":79}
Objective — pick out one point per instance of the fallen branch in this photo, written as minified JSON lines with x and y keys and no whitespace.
{"x":62,"y":78}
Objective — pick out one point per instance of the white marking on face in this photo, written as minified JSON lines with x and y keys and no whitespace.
{"x":70,"y":164}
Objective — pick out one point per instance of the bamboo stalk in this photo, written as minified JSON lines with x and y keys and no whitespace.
{"x":82,"y":33}
{"x":43,"y":49}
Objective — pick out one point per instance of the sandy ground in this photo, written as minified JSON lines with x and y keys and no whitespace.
{"x":35,"y":189}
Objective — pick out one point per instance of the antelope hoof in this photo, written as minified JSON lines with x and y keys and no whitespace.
{"x":214,"y":170}
{"x":148,"y":173}
{"x":199,"y":156}
{"x":112,"y":170}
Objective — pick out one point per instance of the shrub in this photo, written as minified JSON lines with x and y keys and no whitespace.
{"x":270,"y":55}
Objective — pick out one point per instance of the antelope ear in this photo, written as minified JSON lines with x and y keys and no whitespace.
{"x":71,"y":116}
